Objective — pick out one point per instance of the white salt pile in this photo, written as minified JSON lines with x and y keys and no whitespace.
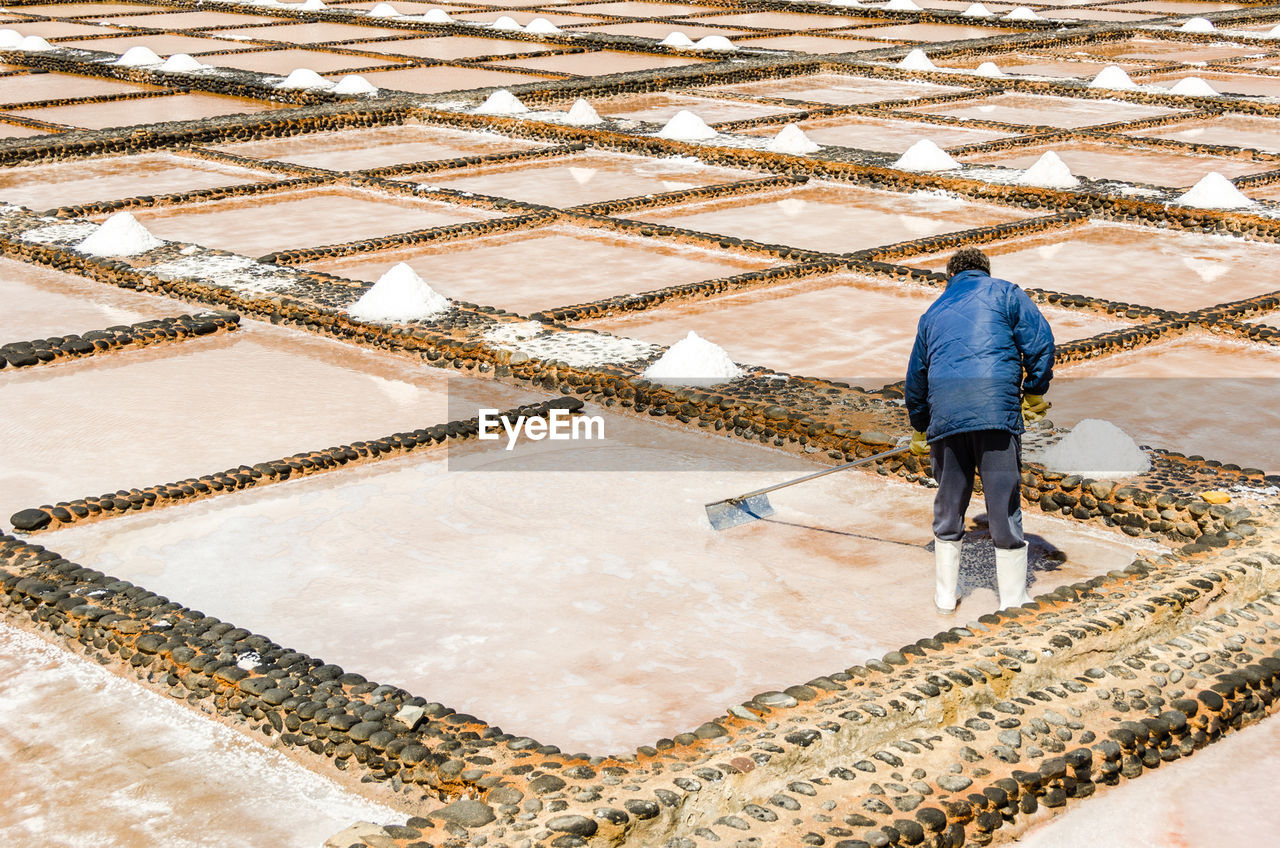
{"x":9,"y":39}
{"x":1096,"y":448}
{"x":384,"y":10}
{"x":924,"y":155}
{"x":437,"y":16}
{"x":686,"y":126}
{"x":791,"y":139}
{"x":582,"y":114}
{"x":678,"y":40}
{"x":542,"y":26}
{"x":300,"y":79}
{"x":989,"y":69}
{"x":693,"y":361}
{"x":354,"y":84}
{"x":1049,"y":171}
{"x":977,"y":10}
{"x":138,"y":57}
{"x":917,"y":60}
{"x":502,"y":102}
{"x":181,"y":63}
{"x":718,"y":43}
{"x":1021,"y":13}
{"x":1274,"y":32}
{"x":506,"y":23}
{"x":119,"y":235}
{"x":1197,"y":25}
{"x":1214,"y":191}
{"x":901,"y":6}
{"x":1193,"y":87}
{"x":1113,"y":77}
{"x":399,"y":295}
{"x":33,"y":44}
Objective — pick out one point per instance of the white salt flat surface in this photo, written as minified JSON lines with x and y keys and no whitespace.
{"x":594,"y":610}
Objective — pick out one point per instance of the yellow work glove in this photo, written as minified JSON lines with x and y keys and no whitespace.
{"x":919,"y":443}
{"x":1034,"y":408}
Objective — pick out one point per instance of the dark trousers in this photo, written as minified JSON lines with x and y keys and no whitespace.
{"x":996,"y":456}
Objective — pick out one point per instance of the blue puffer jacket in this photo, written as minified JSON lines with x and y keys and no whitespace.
{"x":972,"y":348}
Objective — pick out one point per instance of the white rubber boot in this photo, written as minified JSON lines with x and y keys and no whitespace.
{"x":1011,"y":576}
{"x":946,"y":557}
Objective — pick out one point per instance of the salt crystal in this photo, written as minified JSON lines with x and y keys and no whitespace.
{"x":1214,"y":191}
{"x":1021,"y":13}
{"x":138,"y":57}
{"x":581,"y":114}
{"x":791,"y":139}
{"x":1193,"y":87}
{"x":901,"y":6}
{"x":9,"y":39}
{"x":1096,"y":448}
{"x":1049,"y":171}
{"x":686,"y":126}
{"x":354,"y":84}
{"x":917,"y":60}
{"x":693,"y":361}
{"x":303,"y":79}
{"x":977,"y":10}
{"x":181,"y":63}
{"x":1274,"y":32}
{"x":678,"y":40}
{"x":119,"y":235}
{"x":542,"y":26}
{"x":989,"y":69}
{"x":1113,"y":77}
{"x":399,"y":295}
{"x":501,"y":102}
{"x":384,"y":10}
{"x":718,"y":43}
{"x":506,"y":23}
{"x":1197,"y":25}
{"x":437,"y":16}
{"x":924,"y":155}
{"x":33,"y":44}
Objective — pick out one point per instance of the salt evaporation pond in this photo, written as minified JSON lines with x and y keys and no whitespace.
{"x":504,"y":588}
{"x":1111,"y":162}
{"x":93,"y":759}
{"x":147,"y":110}
{"x":661,"y":107}
{"x":377,"y":147}
{"x":598,"y":62}
{"x":283,"y":61}
{"x":437,"y":78}
{"x":43,"y":187}
{"x":1044,"y":110}
{"x":1232,"y":130}
{"x":891,"y":135}
{"x":1163,"y":268}
{"x":584,"y":178}
{"x":513,"y":271}
{"x":836,"y":88}
{"x":842,"y":327}
{"x":450,"y":47}
{"x":301,"y":218}
{"x":167,"y":413}
{"x":40,"y":302}
{"x":835,"y":218}
{"x":1220,"y":796}
{"x":32,"y":88}
{"x":1195,"y":394}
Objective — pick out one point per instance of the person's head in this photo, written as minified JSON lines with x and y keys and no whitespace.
{"x":968,"y":259}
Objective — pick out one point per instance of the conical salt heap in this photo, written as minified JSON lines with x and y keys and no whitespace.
{"x":399,"y":295}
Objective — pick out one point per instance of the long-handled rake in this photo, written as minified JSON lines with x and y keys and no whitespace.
{"x":744,"y":509}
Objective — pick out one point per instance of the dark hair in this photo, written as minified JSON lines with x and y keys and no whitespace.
{"x":968,"y":259}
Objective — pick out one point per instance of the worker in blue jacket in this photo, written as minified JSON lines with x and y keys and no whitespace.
{"x":981,"y":364}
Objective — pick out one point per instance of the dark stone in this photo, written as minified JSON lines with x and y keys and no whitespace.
{"x":576,"y":825}
{"x":545,"y":784}
{"x":466,"y":813}
{"x":29,"y":520}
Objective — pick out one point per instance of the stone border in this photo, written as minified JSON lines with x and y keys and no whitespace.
{"x":114,"y":339}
